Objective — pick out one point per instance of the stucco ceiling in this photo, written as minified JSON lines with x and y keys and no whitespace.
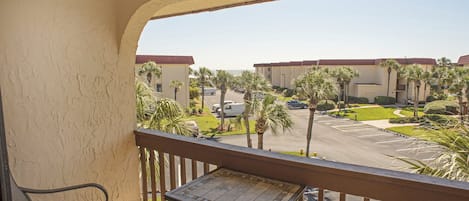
{"x":196,"y":6}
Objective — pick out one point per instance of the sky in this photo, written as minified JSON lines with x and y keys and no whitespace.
{"x":296,"y":30}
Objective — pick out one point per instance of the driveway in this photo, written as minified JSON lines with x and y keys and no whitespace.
{"x":339,"y":140}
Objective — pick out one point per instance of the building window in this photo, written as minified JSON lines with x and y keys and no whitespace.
{"x":159,"y":87}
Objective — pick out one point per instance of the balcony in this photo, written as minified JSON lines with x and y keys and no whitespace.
{"x":170,"y":161}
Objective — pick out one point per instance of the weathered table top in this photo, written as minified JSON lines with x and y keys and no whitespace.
{"x":226,"y":185}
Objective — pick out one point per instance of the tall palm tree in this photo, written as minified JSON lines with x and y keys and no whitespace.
{"x":404,"y":73}
{"x":222,"y":80}
{"x":251,"y":81}
{"x":416,"y":74}
{"x":344,"y":76}
{"x":427,"y":80}
{"x":316,"y":85}
{"x":176,"y":85}
{"x":444,"y":62}
{"x":339,"y":74}
{"x":457,"y":87}
{"x":150,"y":69}
{"x":203,"y":75}
{"x":389,"y":64}
{"x":269,"y":115}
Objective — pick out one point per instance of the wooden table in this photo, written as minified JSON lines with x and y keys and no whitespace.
{"x":226,"y":185}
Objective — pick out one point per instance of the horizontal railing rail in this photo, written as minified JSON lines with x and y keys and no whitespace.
{"x":356,"y":180}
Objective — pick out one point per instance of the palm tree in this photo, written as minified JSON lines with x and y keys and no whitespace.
{"x":389,"y":64}
{"x":250,"y":81}
{"x":444,"y":62}
{"x":150,"y":69}
{"x":427,"y":80}
{"x":144,"y":100}
{"x":176,"y":84}
{"x":339,"y":74}
{"x":458,"y":84}
{"x":416,"y":74}
{"x":346,"y":75}
{"x":268,"y":114}
{"x":222,"y":81}
{"x":316,"y":85}
{"x":404,"y":73}
{"x":203,"y":75}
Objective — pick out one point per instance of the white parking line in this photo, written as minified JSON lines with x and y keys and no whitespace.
{"x":372,"y":135}
{"x":417,"y":148}
{"x":392,"y":141}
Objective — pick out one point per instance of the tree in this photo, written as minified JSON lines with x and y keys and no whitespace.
{"x":416,"y":74}
{"x":427,"y":80}
{"x":457,"y":87}
{"x":344,"y":76}
{"x":222,"y":81}
{"x":250,"y":81}
{"x":316,"y":85}
{"x":404,"y":73}
{"x":150,"y":69}
{"x":176,"y":84}
{"x":269,"y":115}
{"x":203,"y":75}
{"x":389,"y":64}
{"x":444,"y":62}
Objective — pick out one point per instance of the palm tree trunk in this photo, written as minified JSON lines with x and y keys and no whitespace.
{"x":247,"y":110}
{"x":389,"y":78}
{"x":460,"y":110}
{"x":203,"y":93}
{"x":416,"y":102}
{"x":222,"y":108}
{"x":260,"y":140}
{"x":425,"y":93}
{"x":312,"y":109}
{"x":339,"y":97}
{"x":149,"y":79}
{"x":407,"y":92}
{"x":175,"y":92}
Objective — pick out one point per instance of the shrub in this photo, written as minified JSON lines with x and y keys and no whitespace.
{"x":192,"y":103}
{"x":403,"y":120}
{"x":436,"y":97}
{"x":325,"y":105}
{"x":385,"y":100}
{"x":441,"y":107}
{"x":358,"y":100}
{"x":288,"y":92}
{"x":441,"y":119}
{"x":194,"y":93}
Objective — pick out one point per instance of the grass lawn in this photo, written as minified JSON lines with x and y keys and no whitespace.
{"x":208,"y":123}
{"x":409,"y":111}
{"x":365,"y":114}
{"x":412,"y":131}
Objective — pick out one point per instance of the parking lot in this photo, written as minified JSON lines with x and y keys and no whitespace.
{"x":339,"y":140}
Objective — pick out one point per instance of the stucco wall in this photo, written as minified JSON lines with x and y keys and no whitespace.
{"x":67,"y":80}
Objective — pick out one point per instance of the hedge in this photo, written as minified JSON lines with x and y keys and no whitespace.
{"x":358,"y":100}
{"x":436,"y":97}
{"x":442,"y":107}
{"x":385,"y":100}
{"x":288,"y":92}
{"x":441,"y":119}
{"x":325,"y":105}
{"x":404,"y":120}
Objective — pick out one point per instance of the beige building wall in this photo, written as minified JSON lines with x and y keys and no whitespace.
{"x":67,"y":82}
{"x":170,"y":72}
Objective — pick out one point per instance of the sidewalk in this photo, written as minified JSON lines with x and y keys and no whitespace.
{"x":383,"y":124}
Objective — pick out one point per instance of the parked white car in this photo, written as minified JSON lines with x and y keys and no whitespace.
{"x":232,"y":110}
{"x":215,"y":107}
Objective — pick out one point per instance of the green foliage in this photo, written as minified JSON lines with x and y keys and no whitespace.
{"x":404,"y":120}
{"x":442,"y":107}
{"x":436,"y":97}
{"x":288,"y":92}
{"x":358,"y":100}
{"x":325,"y":105}
{"x":194,"y":93}
{"x":442,"y":120}
{"x":385,"y":100}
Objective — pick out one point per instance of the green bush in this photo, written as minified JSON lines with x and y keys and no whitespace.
{"x":357,"y":100}
{"x":289,"y":92}
{"x":404,"y":120}
{"x":436,"y":97}
{"x":385,"y":100}
{"x":441,"y":119}
{"x":441,"y":107}
{"x":192,"y":103}
{"x":194,"y":93}
{"x":325,"y":105}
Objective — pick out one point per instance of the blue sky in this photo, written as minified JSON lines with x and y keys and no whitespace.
{"x":288,"y":30}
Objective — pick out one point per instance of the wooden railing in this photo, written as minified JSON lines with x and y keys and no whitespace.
{"x":157,"y":149}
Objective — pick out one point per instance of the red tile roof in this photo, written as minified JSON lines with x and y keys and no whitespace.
{"x":164,"y":59}
{"x":463,"y":60}
{"x":350,"y":62}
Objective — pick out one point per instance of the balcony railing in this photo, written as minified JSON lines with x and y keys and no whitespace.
{"x":167,"y":155}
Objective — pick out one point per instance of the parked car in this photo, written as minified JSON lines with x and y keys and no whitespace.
{"x":192,"y":125}
{"x":232,"y":109}
{"x":209,"y":91}
{"x":295,"y":104}
{"x":215,"y":107}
